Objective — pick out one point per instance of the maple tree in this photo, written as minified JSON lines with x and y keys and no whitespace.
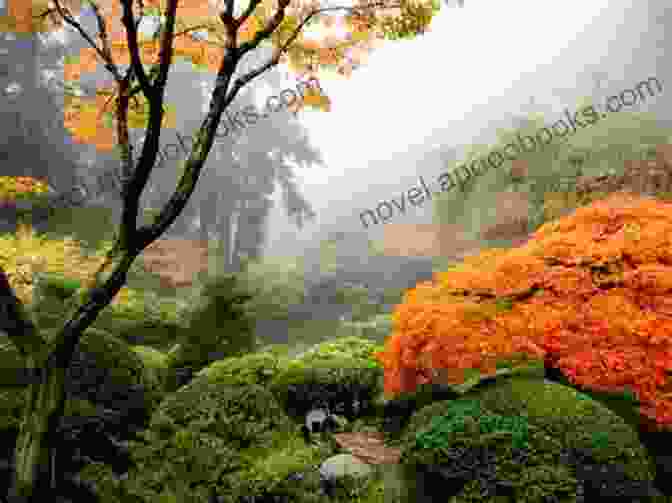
{"x":346,"y":41}
{"x":589,"y":294}
{"x":137,"y":100}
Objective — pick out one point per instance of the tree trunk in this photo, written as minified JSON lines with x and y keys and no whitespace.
{"x":34,"y":457}
{"x":47,"y":361}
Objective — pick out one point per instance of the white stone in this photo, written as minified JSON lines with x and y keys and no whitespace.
{"x":344,"y":464}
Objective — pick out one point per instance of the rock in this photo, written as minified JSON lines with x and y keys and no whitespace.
{"x":340,"y":465}
{"x":315,"y":420}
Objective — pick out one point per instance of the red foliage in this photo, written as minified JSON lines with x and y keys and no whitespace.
{"x":589,"y":293}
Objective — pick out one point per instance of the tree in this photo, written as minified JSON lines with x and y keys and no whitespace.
{"x":143,"y":87}
{"x":553,"y":168}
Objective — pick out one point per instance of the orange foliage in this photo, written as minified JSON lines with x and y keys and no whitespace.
{"x":591,"y":294}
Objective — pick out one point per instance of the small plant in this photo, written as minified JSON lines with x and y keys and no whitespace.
{"x":461,"y":419}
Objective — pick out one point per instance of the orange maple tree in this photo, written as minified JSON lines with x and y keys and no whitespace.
{"x":344,"y":41}
{"x":590,"y":294}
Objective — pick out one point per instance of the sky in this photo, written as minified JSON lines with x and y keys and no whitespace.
{"x":477,"y":65}
{"x":405,"y":102}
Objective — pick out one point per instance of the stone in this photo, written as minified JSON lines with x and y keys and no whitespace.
{"x":369,"y":447}
{"x":315,"y":420}
{"x":340,"y":465}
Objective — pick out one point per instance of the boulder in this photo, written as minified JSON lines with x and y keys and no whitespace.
{"x":344,"y":473}
{"x":337,"y":467}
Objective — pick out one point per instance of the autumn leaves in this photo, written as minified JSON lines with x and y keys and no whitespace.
{"x":345,"y":41}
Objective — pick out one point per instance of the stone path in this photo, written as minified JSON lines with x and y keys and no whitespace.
{"x":369,"y":447}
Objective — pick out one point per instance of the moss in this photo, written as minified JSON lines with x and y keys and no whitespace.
{"x":252,"y":410}
{"x":156,"y":368}
{"x":11,"y":407}
{"x":574,"y":419}
{"x":336,"y":380}
{"x":116,"y":365}
{"x":11,"y":362}
{"x":343,"y":347}
{"x":211,"y":439}
{"x":527,"y":470}
{"x":558,"y":418}
{"x":112,"y":353}
{"x":335,"y":372}
{"x":255,"y":368}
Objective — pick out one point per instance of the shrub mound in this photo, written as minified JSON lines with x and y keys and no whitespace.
{"x":528,"y":438}
{"x":589,"y":294}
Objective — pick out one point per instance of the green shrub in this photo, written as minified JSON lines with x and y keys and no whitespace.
{"x":457,"y":420}
{"x":212,"y":439}
{"x":217,"y":324}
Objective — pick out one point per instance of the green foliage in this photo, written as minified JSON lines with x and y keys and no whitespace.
{"x":91,"y":225}
{"x":230,"y":441}
{"x":457,"y":420}
{"x":452,"y":207}
{"x":536,"y":483}
{"x":256,"y":368}
{"x":343,"y":347}
{"x":275,"y":284}
{"x":217,"y":324}
{"x":592,"y":151}
{"x":319,"y":376}
{"x":156,"y":365}
{"x":375,"y":329}
{"x":563,"y":415}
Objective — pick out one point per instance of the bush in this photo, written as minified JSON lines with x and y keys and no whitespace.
{"x":217,"y":324}
{"x":211,"y":439}
{"x":598,"y":276}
